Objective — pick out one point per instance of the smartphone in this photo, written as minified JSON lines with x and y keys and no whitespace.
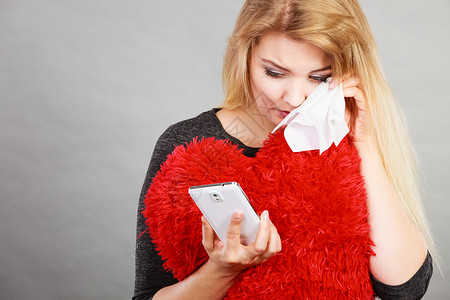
{"x":219,"y":201}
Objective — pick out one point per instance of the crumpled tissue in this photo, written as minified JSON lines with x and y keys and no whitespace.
{"x":318,"y":122}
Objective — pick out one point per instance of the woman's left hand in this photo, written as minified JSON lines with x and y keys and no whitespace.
{"x":352,"y":89}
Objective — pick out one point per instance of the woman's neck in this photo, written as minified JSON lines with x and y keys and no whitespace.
{"x":247,"y":125}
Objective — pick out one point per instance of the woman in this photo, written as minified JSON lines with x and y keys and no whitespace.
{"x":278,"y":53}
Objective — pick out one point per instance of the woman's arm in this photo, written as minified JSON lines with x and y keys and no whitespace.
{"x":399,"y":246}
{"x":205,"y":283}
{"x":414,"y":288}
{"x":226,"y":261}
{"x":150,"y":275}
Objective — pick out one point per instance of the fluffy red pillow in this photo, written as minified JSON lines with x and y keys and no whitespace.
{"x":317,"y":202}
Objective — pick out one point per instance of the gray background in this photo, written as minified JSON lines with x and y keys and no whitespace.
{"x":86,"y":87}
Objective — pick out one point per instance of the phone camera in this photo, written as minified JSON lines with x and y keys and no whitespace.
{"x":216,"y":197}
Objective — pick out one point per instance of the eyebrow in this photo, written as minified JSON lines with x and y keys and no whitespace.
{"x":322,"y":69}
{"x":287,"y":70}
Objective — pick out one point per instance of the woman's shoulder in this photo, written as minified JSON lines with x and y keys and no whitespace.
{"x":205,"y":124}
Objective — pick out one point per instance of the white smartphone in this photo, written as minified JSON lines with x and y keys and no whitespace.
{"x":219,"y":201}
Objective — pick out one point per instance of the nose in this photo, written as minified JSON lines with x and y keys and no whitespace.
{"x":297,"y":94}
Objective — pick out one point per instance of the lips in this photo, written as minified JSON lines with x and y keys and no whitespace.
{"x":283,"y":113}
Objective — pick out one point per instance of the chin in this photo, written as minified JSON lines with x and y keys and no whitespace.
{"x":275,"y":119}
{"x":272,"y":116}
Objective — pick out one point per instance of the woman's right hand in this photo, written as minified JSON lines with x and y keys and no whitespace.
{"x":233,"y":257}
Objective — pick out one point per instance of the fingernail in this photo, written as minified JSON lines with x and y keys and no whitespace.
{"x":237,"y":216}
{"x":265,"y":215}
{"x":331,"y":85}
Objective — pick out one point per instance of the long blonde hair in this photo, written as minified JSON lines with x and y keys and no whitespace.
{"x":341,"y":29}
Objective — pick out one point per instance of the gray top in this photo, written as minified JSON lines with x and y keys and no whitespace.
{"x":150,"y":274}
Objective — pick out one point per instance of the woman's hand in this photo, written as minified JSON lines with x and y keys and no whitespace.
{"x":352,"y":89}
{"x":232,"y":257}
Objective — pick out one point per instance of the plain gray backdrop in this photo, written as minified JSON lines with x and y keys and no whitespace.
{"x":86,"y":88}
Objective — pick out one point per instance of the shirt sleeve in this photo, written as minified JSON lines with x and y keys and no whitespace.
{"x":150,"y":275}
{"x":414,"y":288}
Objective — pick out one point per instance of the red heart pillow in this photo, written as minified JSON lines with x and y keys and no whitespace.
{"x":317,"y":202}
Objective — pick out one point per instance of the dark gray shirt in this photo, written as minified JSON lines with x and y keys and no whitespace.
{"x":150,"y":274}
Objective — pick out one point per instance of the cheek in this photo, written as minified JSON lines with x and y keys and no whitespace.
{"x":267,"y":90}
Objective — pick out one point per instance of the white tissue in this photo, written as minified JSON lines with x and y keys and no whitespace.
{"x":318,"y":121}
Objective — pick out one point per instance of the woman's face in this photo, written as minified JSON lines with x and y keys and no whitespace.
{"x":283,"y":72}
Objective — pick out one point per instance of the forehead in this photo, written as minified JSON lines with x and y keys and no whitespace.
{"x":290,"y":53}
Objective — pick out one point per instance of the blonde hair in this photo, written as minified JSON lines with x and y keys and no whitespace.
{"x":341,"y":29}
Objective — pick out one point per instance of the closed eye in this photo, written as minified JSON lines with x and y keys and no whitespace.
{"x":272,"y":73}
{"x":319,"y":79}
